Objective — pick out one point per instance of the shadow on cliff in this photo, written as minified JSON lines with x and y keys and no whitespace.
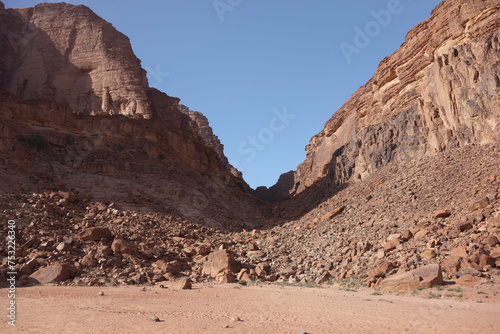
{"x":297,"y":206}
{"x":33,"y":67}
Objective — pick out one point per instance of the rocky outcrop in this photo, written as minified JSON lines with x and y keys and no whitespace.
{"x":204,"y":130}
{"x":277,"y":192}
{"x":440,"y":90}
{"x":201,"y":126}
{"x":167,"y":109}
{"x":70,"y":55}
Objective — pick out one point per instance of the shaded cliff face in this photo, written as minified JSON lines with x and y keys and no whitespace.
{"x":70,"y":55}
{"x":440,"y":90}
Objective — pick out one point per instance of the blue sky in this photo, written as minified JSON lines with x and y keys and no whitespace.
{"x":267,"y":74}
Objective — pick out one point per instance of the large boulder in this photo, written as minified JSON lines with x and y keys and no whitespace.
{"x":221,"y":261}
{"x":423,"y":277}
{"x":121,"y":246}
{"x":53,"y":273}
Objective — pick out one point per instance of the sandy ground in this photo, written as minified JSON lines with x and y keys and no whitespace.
{"x":262,"y":309}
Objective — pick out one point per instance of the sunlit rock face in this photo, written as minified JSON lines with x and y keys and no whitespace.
{"x":439,"y":91}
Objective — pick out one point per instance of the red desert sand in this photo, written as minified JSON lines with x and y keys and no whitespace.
{"x":252,"y":309}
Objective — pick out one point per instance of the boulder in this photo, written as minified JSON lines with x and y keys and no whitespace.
{"x":459,"y":251}
{"x":220,"y":261}
{"x":479,"y":203}
{"x":261,"y":269}
{"x":423,"y":277}
{"x":451,"y":265}
{"x":182,"y":284}
{"x":495,"y":252}
{"x":392,"y":244}
{"x":332,"y":214}
{"x":95,"y":234}
{"x":172,"y":267}
{"x":486,"y":260}
{"x":88,"y":261}
{"x":225,"y":278}
{"x":243,"y":275}
{"x":121,"y":246}
{"x":382,"y":268}
{"x":28,"y":267}
{"x":323,"y":278}
{"x":428,"y":254}
{"x":54,"y":273}
{"x":470,"y":280}
{"x":64,"y":247}
{"x":442,"y":214}
{"x":491,"y":240}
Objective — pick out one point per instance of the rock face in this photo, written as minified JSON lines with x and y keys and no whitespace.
{"x":277,"y":192}
{"x":439,"y":91}
{"x":84,"y":63}
{"x":70,"y":55}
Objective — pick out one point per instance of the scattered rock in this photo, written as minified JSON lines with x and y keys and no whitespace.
{"x":428,"y":254}
{"x":121,"y":246}
{"x":459,"y":251}
{"x":479,"y":203}
{"x":332,"y":214}
{"x":495,"y":253}
{"x":391,"y":245}
{"x":95,"y":234}
{"x":442,"y":214}
{"x":182,"y":284}
{"x":153,"y":318}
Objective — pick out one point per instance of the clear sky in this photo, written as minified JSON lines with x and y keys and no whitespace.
{"x":267,"y":73}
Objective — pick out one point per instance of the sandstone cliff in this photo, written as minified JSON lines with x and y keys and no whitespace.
{"x":70,"y":55}
{"x":440,"y":90}
{"x":70,"y":82}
